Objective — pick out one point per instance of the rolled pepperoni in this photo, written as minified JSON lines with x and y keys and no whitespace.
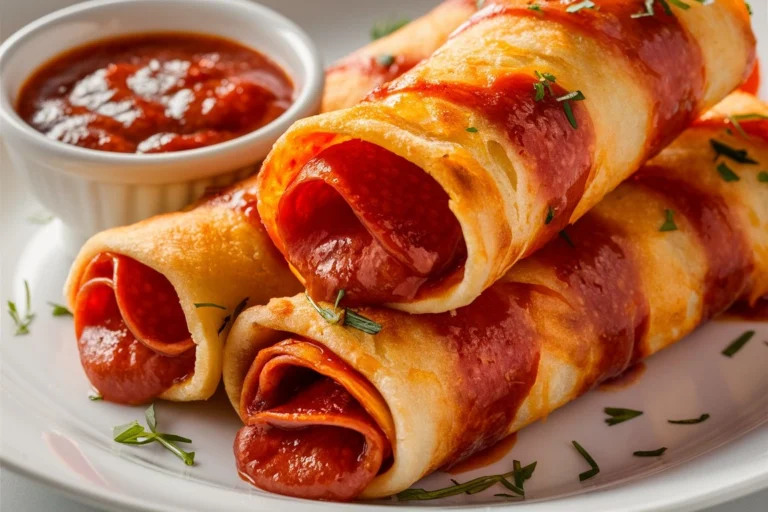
{"x":131,"y":331}
{"x":525,"y":118}
{"x":306,"y":433}
{"x":362,"y":219}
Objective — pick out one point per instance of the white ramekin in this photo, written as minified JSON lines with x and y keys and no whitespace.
{"x":93,"y":190}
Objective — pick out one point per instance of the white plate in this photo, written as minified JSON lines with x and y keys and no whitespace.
{"x":54,"y":434}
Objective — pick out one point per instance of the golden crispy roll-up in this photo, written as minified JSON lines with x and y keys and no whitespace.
{"x":350,"y":79}
{"x":425,"y":194}
{"x":673,"y":246}
{"x":154,"y":301}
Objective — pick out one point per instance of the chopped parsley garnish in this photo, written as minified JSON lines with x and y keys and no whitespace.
{"x":544,"y":84}
{"x":346,"y":316}
{"x":692,"y":421}
{"x":585,"y":4}
{"x":749,"y":7}
{"x":386,"y":27}
{"x":762,"y":176}
{"x":209,"y":305}
{"x":385,"y":60}
{"x":135,"y":434}
{"x":664,"y":5}
{"x":518,"y":474}
{"x":472,"y":129}
{"x":669,"y":221}
{"x":737,"y":155}
{"x":59,"y":310}
{"x":735,"y":119}
{"x":238,"y":309}
{"x":535,"y":7}
{"x":567,"y":238}
{"x":586,"y":475}
{"x":726,"y":172}
{"x":566,"y":100}
{"x":22,"y":322}
{"x":650,"y":453}
{"x":95,"y":397}
{"x":550,"y":215}
{"x":618,"y":415}
{"x":738,"y":344}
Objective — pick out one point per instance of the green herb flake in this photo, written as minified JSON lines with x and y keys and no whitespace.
{"x":567,"y":238}
{"x":134,"y":434}
{"x":749,"y":8}
{"x":350,"y":318}
{"x":693,"y":421}
{"x":566,"y":100}
{"x":680,"y":4}
{"x":586,"y":475}
{"x":737,"y":155}
{"x":535,"y":7}
{"x":738,"y":344}
{"x":726,"y":172}
{"x":209,"y":305}
{"x":386,"y":27}
{"x":585,"y":4}
{"x":59,"y":310}
{"x":669,"y":221}
{"x":550,"y":215}
{"x":762,"y":176}
{"x":472,"y":129}
{"x":238,"y":309}
{"x":385,"y":60}
{"x":736,"y":121}
{"x":22,"y":321}
{"x":650,"y":453}
{"x":619,"y":415}
{"x":95,"y":397}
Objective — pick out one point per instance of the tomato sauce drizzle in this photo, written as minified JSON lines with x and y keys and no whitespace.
{"x":362,"y":219}
{"x":602,"y":274}
{"x":559,"y":155}
{"x":131,"y":331}
{"x":498,"y":351}
{"x":665,"y":55}
{"x":728,"y":253}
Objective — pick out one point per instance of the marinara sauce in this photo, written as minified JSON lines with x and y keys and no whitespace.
{"x":154,"y":93}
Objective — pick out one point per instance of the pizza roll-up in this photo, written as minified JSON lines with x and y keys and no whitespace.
{"x":668,"y":249}
{"x":425,"y":194}
{"x":153,"y":301}
{"x":351,"y":78}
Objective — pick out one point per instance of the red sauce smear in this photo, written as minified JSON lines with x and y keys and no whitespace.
{"x":625,"y":379}
{"x":305,"y":434}
{"x":752,"y":83}
{"x":729,"y":256}
{"x":131,"y":331}
{"x":610,"y":305}
{"x":559,"y":155}
{"x":743,"y":310}
{"x":154,"y":93}
{"x":498,"y":351}
{"x":485,"y":457}
{"x":667,"y":58}
{"x":358,"y":217}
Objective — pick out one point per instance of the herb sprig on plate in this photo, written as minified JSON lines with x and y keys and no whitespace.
{"x":135,"y":434}
{"x":738,"y":344}
{"x":595,"y":469}
{"x":692,"y":421}
{"x":22,"y":321}
{"x":619,"y":415}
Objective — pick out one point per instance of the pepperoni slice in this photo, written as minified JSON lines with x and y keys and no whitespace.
{"x":131,"y":331}
{"x":360,"y":218}
{"x":321,"y":444}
